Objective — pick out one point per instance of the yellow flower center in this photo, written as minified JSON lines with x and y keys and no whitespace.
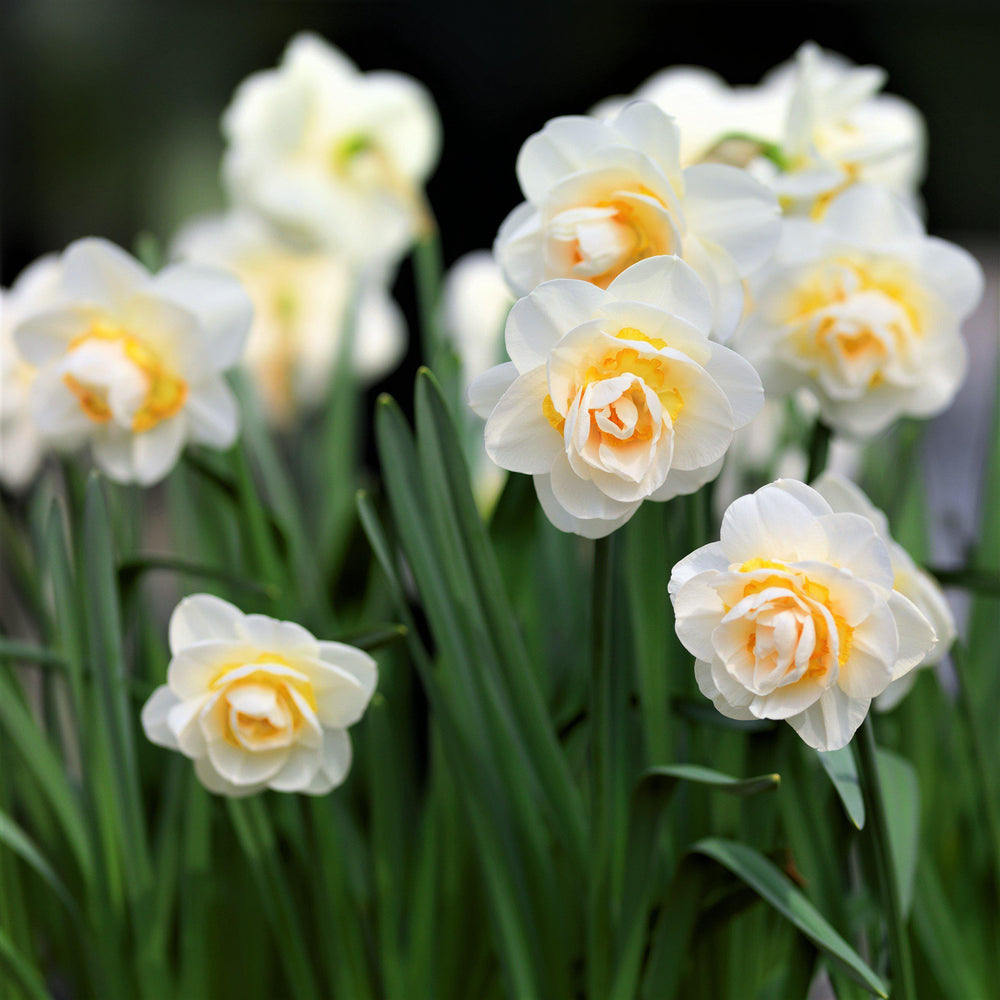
{"x":654,"y":372}
{"x":166,"y":393}
{"x":799,"y":585}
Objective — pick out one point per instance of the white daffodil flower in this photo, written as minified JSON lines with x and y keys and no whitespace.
{"x":131,"y":362}
{"x":908,"y":578}
{"x":792,"y":615}
{"x":475,"y":301}
{"x":601,"y":196}
{"x":821,"y":114}
{"x":839,"y":130}
{"x":614,"y":396}
{"x":303,"y":303}
{"x":257,"y":703}
{"x":865,"y":310}
{"x":21,"y":445}
{"x":335,"y":157}
{"x":706,"y":109}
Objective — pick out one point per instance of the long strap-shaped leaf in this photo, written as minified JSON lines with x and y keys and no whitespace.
{"x":767,"y":880}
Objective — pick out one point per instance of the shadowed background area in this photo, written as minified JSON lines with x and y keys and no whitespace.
{"x":110,"y":111}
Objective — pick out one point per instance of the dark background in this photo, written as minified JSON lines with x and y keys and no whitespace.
{"x":110,"y":110}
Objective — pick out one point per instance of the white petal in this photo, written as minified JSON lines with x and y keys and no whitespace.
{"x":212,"y":413}
{"x":830,"y":722}
{"x":581,"y":497}
{"x":355,"y":661}
{"x":869,"y":667}
{"x":563,"y":147}
{"x":855,"y":546}
{"x":873,"y":215}
{"x":916,"y":633}
{"x":217,"y":299}
{"x":112,"y":447}
{"x":726,"y":207}
{"x":44,"y":336}
{"x":698,"y":609}
{"x":218,"y":785}
{"x":96,"y":271}
{"x":706,"y":684}
{"x":647,"y":128}
{"x":154,"y":717}
{"x":298,"y":771}
{"x":669,"y":284}
{"x":739,"y":380}
{"x":519,"y":436}
{"x":518,"y":249}
{"x":537,"y":322}
{"x":683,"y":482}
{"x":241,"y":767}
{"x":771,"y":524}
{"x":193,"y":669}
{"x":337,"y":756}
{"x":485,"y":391}
{"x":708,"y":557}
{"x":274,"y":636}
{"x":155,"y":452}
{"x":201,"y":617}
{"x":564,"y":521}
{"x":844,"y":497}
{"x":951,"y":271}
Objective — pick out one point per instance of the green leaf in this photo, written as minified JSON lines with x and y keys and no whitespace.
{"x":26,"y":652}
{"x":901,"y":791}
{"x":21,"y":971}
{"x":842,"y":770}
{"x":374,"y":636}
{"x":21,"y":844}
{"x":771,"y":885}
{"x":130,"y":569}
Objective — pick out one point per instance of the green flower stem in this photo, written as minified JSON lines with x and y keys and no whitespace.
{"x":819,"y":450}
{"x":601,"y":778}
{"x":428,"y":269}
{"x":899,"y":942}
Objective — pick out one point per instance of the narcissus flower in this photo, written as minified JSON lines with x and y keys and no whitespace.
{"x":839,"y":130}
{"x":864,"y":310}
{"x":258,"y":703}
{"x":333,"y":156}
{"x":601,"y":196}
{"x":615,"y":395}
{"x":475,"y":301}
{"x":302,"y":301}
{"x":21,"y":445}
{"x":792,"y":615}
{"x":132,"y":362}
{"x":908,"y":578}
{"x":811,"y":128}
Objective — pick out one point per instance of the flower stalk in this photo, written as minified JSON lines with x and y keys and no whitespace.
{"x":899,"y":942}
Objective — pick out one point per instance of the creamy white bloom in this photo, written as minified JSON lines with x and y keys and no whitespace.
{"x":258,"y":703}
{"x":475,"y":301}
{"x":131,"y":362}
{"x":614,"y":396}
{"x":792,"y":615}
{"x":706,"y":109}
{"x":602,"y":195}
{"x":21,"y":445}
{"x":302,"y":302}
{"x":839,"y":130}
{"x":335,"y":157}
{"x":865,"y":310}
{"x":824,"y":116}
{"x":909,"y":579}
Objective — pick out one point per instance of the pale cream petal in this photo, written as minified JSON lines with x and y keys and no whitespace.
{"x":200,"y":617}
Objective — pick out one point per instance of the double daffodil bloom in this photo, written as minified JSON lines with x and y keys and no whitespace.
{"x":258,"y":703}
{"x":601,"y":196}
{"x":131,"y":362}
{"x":865,"y":311}
{"x":614,"y":396}
{"x":792,"y":615}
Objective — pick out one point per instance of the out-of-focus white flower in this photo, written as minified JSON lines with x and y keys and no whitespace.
{"x":335,"y":157}
{"x":614,"y":396}
{"x":706,"y":109}
{"x":908,"y":578}
{"x":821,"y":114}
{"x":865,"y":310}
{"x":792,"y":615}
{"x":132,"y":362}
{"x":475,"y":301}
{"x":258,"y":703}
{"x":303,"y":304}
{"x":21,"y":446}
{"x":839,"y":130}
{"x":602,"y":195}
